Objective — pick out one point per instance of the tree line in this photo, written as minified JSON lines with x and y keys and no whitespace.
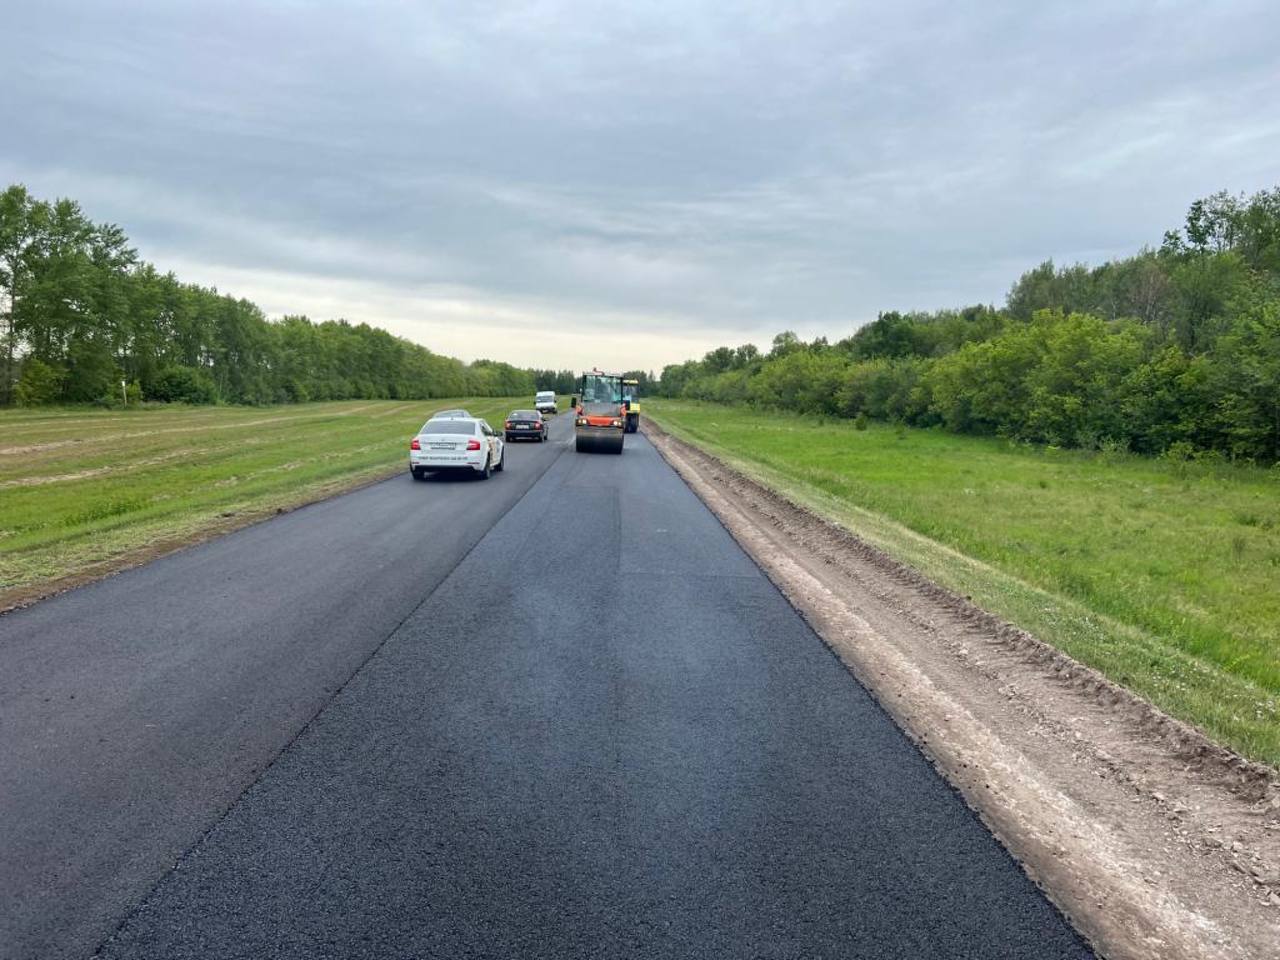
{"x":1173,"y":351}
{"x":566,"y":381}
{"x":82,"y":314}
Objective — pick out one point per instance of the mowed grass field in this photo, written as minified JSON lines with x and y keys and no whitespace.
{"x":1164,"y":576}
{"x":84,"y":491}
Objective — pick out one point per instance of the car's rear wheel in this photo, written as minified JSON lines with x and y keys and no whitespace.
{"x":487,"y":472}
{"x":502,"y":461}
{"x":418,"y":474}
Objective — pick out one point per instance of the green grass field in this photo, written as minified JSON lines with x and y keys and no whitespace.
{"x":1164,"y":576}
{"x":83,"y":490}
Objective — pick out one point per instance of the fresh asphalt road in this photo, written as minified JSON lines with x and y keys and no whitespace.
{"x":598,"y":732}
{"x":134,"y":711}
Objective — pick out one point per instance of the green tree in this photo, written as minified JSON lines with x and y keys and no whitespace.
{"x":91,"y":372}
{"x":785,"y":343}
{"x":39,"y":384}
{"x":1245,"y":380}
{"x":16,"y":237}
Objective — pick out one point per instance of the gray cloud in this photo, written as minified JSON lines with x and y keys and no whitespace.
{"x":695,"y":173}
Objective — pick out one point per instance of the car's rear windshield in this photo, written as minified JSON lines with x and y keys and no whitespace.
{"x":523,"y":415}
{"x":448,"y":426}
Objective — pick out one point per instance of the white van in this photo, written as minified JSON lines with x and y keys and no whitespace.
{"x":545,"y":401}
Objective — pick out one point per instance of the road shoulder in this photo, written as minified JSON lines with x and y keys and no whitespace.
{"x":1152,"y":839}
{"x":200,"y":528}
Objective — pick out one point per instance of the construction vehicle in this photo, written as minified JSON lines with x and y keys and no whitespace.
{"x":631,"y":400}
{"x":600,"y":413}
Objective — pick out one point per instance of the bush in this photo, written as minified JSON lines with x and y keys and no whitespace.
{"x":39,"y":384}
{"x":884,"y":390}
{"x":182,"y":385}
{"x":295,"y":391}
{"x":1055,"y":379}
{"x":800,"y":381}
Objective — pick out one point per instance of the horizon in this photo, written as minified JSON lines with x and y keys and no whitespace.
{"x":493,"y":185}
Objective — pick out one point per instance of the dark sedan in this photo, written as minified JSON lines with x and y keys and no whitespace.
{"x":525,"y":425}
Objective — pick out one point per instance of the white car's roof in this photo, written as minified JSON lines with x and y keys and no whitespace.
{"x":466,"y":424}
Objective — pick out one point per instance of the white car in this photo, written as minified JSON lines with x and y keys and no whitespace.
{"x":456,"y":443}
{"x":544,"y":401}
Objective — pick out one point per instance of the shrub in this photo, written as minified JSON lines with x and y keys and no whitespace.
{"x":182,"y":385}
{"x":40,"y":383}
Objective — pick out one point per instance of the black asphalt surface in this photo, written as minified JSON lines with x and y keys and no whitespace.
{"x":134,"y":711}
{"x":603,"y":734}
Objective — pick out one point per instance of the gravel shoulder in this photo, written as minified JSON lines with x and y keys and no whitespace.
{"x":1152,"y":839}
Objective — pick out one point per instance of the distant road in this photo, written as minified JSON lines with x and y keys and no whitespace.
{"x":589,"y":727}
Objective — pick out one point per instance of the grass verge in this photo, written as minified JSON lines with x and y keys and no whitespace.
{"x":1163,"y":576}
{"x":87,"y":491}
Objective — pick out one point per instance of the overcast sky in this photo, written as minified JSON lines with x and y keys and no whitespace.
{"x":630,"y":184}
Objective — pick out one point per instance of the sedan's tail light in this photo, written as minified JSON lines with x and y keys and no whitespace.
{"x":414,"y":444}
{"x":473,"y":444}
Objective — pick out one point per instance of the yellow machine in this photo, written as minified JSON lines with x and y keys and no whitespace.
{"x":631,"y":400}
